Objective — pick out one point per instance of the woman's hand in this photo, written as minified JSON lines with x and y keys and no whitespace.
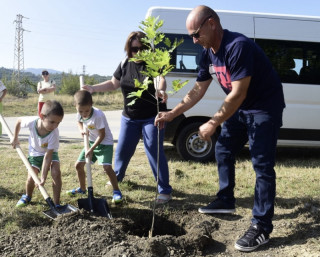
{"x":163,"y":95}
{"x":89,"y":88}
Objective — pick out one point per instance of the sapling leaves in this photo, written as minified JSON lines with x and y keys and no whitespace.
{"x":157,"y":58}
{"x":177,"y":85}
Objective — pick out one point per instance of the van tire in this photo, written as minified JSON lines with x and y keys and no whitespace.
{"x":191,"y":147}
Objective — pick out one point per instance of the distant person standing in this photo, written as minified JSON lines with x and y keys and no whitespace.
{"x":3,"y":92}
{"x":45,"y":89}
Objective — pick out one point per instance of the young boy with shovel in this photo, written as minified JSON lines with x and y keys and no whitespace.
{"x":93,"y":120}
{"x":43,"y":148}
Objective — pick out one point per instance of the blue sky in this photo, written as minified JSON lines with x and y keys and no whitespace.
{"x":67,"y":34}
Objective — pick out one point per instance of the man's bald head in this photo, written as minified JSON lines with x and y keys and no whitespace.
{"x":201,"y":12}
{"x":203,"y":25}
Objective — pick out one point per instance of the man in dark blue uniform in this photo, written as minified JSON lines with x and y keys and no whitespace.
{"x":251,"y":112}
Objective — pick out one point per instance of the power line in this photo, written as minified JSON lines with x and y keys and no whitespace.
{"x":18,"y":60}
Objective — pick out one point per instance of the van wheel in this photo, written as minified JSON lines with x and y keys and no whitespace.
{"x":191,"y":147}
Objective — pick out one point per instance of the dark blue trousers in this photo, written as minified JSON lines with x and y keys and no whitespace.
{"x":261,"y":131}
{"x":130,"y":134}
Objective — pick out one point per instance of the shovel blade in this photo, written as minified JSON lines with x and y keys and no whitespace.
{"x":98,"y":206}
{"x":54,"y":212}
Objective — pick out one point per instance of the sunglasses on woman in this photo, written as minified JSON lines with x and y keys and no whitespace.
{"x":135,"y":49}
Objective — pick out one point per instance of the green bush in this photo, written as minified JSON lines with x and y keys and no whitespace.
{"x":70,"y":83}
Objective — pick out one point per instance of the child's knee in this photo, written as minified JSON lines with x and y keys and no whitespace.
{"x":79,"y":165}
{"x":56,"y":173}
{"x":107,"y":169}
{"x":30,"y":180}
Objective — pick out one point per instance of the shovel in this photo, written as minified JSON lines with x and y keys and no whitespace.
{"x":54,"y":211}
{"x":94,"y":205}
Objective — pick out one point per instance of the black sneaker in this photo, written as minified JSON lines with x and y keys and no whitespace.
{"x":217,"y":206}
{"x":252,"y":239}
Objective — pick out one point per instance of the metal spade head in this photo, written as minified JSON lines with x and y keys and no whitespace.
{"x":96,"y":206}
{"x":55,"y":211}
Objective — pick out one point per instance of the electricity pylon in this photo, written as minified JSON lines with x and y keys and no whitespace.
{"x":18,"y":63}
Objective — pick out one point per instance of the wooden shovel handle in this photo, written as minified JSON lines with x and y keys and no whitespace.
{"x":88,"y":160}
{"x":81,"y":78}
{"x":24,"y":159}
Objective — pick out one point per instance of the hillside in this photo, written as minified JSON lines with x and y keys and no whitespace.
{"x":6,"y":74}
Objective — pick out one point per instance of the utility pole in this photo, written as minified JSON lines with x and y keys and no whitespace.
{"x":83,"y":70}
{"x":18,"y":63}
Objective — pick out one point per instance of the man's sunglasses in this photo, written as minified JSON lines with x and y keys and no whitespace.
{"x":196,"y":33}
{"x":135,"y":49}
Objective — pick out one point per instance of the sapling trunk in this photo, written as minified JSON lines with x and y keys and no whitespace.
{"x":157,"y":61}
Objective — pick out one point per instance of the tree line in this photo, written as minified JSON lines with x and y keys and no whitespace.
{"x":67,"y":83}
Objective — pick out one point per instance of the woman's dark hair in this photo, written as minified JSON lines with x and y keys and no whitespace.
{"x":135,"y":35}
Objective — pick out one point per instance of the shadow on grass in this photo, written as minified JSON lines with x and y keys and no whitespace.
{"x":285,"y":156}
{"x":299,"y":207}
{"x":24,"y":219}
{"x":303,"y":223}
{"x":5,"y":193}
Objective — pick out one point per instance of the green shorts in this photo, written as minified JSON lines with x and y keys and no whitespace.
{"x":36,"y":161}
{"x":102,"y":153}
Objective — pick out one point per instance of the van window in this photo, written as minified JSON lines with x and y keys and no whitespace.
{"x":295,"y":61}
{"x":186,"y":56}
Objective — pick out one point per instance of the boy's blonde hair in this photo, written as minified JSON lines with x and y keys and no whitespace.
{"x":52,"y":107}
{"x":83,"y":98}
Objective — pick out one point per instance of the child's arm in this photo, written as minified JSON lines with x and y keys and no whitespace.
{"x":15,"y":140}
{"x":46,"y":166}
{"x":80,"y":126}
{"x":102,"y":134}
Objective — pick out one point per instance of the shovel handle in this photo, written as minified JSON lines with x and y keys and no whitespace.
{"x":88,"y":160}
{"x":24,"y":159}
{"x":81,"y":82}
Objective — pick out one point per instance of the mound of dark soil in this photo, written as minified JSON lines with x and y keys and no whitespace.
{"x":177,"y":232}
{"x":81,"y":234}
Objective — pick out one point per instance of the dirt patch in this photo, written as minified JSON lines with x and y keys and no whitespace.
{"x":82,"y":234}
{"x":177,"y":233}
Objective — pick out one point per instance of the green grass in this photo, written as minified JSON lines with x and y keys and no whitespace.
{"x":13,"y":106}
{"x":297,"y":207}
{"x":194,"y":184}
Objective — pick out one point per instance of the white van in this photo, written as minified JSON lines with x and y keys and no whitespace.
{"x":292,"y":43}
